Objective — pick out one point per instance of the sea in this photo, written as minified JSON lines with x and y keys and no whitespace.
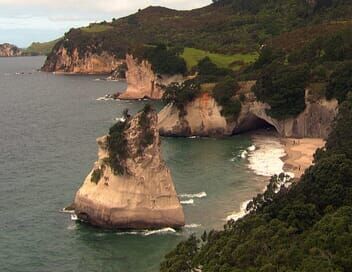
{"x":48,"y":129}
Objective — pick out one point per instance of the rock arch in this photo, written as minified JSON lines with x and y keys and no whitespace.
{"x":254,"y":122}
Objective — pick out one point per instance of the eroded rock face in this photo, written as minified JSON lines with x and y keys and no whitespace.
{"x":63,"y":61}
{"x":203,"y":118}
{"x":143,"y":198}
{"x":143,"y":82}
{"x":9,"y":50}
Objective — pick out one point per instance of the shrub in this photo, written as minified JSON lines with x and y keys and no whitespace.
{"x":283,"y":88}
{"x":209,"y":72}
{"x":224,"y":93}
{"x":340,"y":82}
{"x":96,"y":175}
{"x":117,"y":147}
{"x":163,"y":60}
{"x":147,"y":135}
{"x":180,"y":94}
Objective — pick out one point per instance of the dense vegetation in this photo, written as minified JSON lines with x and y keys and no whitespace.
{"x":323,"y":66}
{"x":223,"y":88}
{"x":283,"y":88}
{"x":117,"y":147}
{"x":180,"y":94}
{"x":224,"y":93}
{"x":227,"y":26}
{"x":305,"y":227}
{"x":147,"y":135}
{"x":163,"y":60}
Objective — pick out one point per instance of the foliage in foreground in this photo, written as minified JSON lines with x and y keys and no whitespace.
{"x":307,"y":227}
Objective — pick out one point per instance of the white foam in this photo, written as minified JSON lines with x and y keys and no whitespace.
{"x":192,"y":226}
{"x":244,"y":154}
{"x":251,"y":148}
{"x":187,"y":202}
{"x":198,"y":195}
{"x":239,"y":214}
{"x":74,"y":217}
{"x":265,"y":160}
{"x":72,"y":227}
{"x":120,"y":119}
{"x":129,"y":233}
{"x":67,"y":211}
{"x":103,"y":98}
{"x":159,"y":231}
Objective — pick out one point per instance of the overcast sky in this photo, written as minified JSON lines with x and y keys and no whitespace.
{"x":25,"y":21}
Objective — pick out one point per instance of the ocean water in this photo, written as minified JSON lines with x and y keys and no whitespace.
{"x":48,"y":127}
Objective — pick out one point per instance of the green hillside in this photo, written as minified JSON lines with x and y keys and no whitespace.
{"x":192,"y":56}
{"x":38,"y":48}
{"x":226,"y":27}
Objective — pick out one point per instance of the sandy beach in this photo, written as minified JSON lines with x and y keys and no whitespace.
{"x":299,"y":154}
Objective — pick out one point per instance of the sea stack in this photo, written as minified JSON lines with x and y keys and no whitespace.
{"x":130,"y":186}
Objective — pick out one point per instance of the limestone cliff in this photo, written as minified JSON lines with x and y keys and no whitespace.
{"x":144,"y":196}
{"x":62,"y":60}
{"x":203,"y":118}
{"x":143,"y":82}
{"x":9,"y":50}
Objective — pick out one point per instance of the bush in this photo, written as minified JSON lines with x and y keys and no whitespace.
{"x":163,"y":60}
{"x":117,"y":148}
{"x":209,"y":72}
{"x":224,"y":93}
{"x":340,"y":82}
{"x":283,"y":88}
{"x":147,"y":135}
{"x":96,"y":175}
{"x":180,"y":94}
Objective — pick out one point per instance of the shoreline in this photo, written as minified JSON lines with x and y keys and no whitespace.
{"x":299,"y":154}
{"x":273,"y":154}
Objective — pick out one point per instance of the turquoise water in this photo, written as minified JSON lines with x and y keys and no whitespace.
{"x":48,"y":127}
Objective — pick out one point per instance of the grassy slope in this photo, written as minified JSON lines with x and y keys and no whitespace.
{"x":192,"y":56}
{"x":96,"y":28}
{"x":37,"y":48}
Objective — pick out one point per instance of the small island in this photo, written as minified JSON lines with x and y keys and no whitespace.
{"x":130,"y":187}
{"x":9,"y":50}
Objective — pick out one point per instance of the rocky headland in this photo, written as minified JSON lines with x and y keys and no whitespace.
{"x":202,"y":117}
{"x":130,"y":187}
{"x":143,"y":82}
{"x":63,"y":60}
{"x":9,"y":50}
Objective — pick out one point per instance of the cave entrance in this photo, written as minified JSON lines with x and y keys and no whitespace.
{"x":253,"y":123}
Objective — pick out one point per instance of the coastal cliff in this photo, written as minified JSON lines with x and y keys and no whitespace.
{"x":9,"y":50}
{"x":143,"y":82}
{"x":131,"y":187}
{"x":62,"y":60}
{"x":202,"y":117}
